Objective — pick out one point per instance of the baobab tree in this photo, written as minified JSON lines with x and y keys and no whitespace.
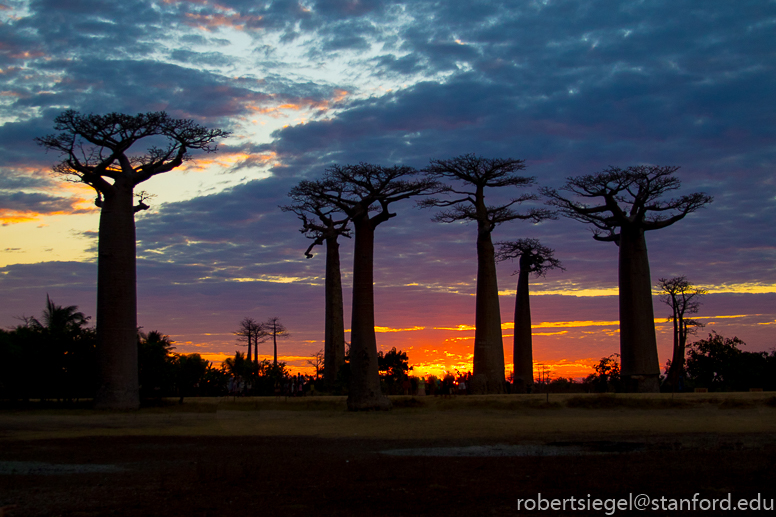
{"x":324,"y":224}
{"x":273,"y":327}
{"x":536,"y":259}
{"x":630,"y":205}
{"x":253,"y":333}
{"x":364,"y":193}
{"x":96,"y":151}
{"x":477,"y":174}
{"x":683,"y":298}
{"x":318,"y":363}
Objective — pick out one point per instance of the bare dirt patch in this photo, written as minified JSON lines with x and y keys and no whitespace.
{"x":463,"y":456}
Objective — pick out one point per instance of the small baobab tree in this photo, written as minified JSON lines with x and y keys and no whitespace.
{"x":325,"y":224}
{"x":98,"y":150}
{"x":252,"y":332}
{"x":273,"y":327}
{"x":318,"y":363}
{"x":684,"y":299}
{"x":474,"y":175}
{"x":536,"y":259}
{"x":630,"y":205}
{"x":364,"y":192}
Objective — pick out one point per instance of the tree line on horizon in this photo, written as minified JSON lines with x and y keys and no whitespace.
{"x":53,"y":359}
{"x":95,"y":150}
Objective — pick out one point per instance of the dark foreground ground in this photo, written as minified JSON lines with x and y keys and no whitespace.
{"x":336,"y":476}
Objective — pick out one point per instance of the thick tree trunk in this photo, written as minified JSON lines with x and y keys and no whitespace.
{"x":640,"y":369}
{"x":364,"y":392}
{"x":523,"y":345}
{"x":488,"y":344}
{"x":250,"y":357}
{"x":117,"y":302}
{"x":334,"y":339}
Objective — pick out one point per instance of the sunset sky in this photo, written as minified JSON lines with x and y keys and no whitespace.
{"x":570,"y":87}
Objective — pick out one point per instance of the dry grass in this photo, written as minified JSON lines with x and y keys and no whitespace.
{"x":492,"y":418}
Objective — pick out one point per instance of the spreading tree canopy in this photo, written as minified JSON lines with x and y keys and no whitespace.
{"x":323,"y":223}
{"x":364,"y":193}
{"x":630,"y":202}
{"x":100,"y":151}
{"x":534,"y":258}
{"x":472,"y":176}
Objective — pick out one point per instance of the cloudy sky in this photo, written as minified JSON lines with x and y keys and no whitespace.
{"x":570,"y":87}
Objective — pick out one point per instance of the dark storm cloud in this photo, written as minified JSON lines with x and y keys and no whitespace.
{"x":136,"y":85}
{"x":16,"y":180}
{"x":94,"y":27}
{"x":33,"y":202}
{"x":18,"y":146}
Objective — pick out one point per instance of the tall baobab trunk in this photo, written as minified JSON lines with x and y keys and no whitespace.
{"x":640,"y":368}
{"x":334,"y":339}
{"x":364,"y":392}
{"x":488,"y":344}
{"x":117,"y":302}
{"x":523,"y":344}
{"x":275,"y":346}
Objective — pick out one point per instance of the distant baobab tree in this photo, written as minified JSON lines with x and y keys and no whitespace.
{"x":683,"y":298}
{"x":630,"y":205}
{"x":318,"y":363}
{"x":273,"y":327}
{"x":364,"y":192}
{"x":96,"y":151}
{"x":252,"y":332}
{"x":534,"y":258}
{"x":478,"y":174}
{"x":325,"y":224}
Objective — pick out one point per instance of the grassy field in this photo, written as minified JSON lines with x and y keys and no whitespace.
{"x":494,"y":417}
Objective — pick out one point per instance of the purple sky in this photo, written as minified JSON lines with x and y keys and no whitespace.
{"x":569,"y":87}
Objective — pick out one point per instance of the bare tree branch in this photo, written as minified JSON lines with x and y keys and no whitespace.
{"x":628,"y":197}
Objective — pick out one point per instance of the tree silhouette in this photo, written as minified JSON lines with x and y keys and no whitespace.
{"x":59,"y":320}
{"x":318,"y":362}
{"x":325,"y":224}
{"x":683,"y":298}
{"x":63,"y":347}
{"x":156,"y":371}
{"x":273,"y":327}
{"x":238,"y":366}
{"x":533,"y":259}
{"x":394,"y":365}
{"x":95,"y":150}
{"x":252,"y":333}
{"x":711,"y":363}
{"x":607,"y":374}
{"x":630,"y":206}
{"x":478,"y":174}
{"x":364,"y":192}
